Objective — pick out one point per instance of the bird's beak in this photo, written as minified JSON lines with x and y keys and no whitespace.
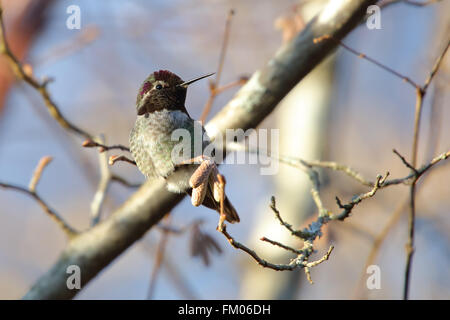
{"x":186,"y":83}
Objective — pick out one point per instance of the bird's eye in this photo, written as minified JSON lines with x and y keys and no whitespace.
{"x":159,"y":86}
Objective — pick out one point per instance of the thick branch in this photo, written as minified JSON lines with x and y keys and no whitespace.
{"x":96,"y":248}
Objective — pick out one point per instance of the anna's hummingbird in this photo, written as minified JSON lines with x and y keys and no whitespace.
{"x":160,"y":111}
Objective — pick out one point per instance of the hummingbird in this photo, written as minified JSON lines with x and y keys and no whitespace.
{"x":160,"y":108}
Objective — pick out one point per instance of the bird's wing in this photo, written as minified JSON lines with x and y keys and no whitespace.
{"x":141,"y":153}
{"x":160,"y":150}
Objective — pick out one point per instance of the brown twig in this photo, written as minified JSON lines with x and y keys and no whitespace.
{"x":45,"y":161}
{"x":202,"y":244}
{"x":307,"y":165}
{"x":80,"y":40}
{"x":24,"y":72}
{"x":223,"y":50}
{"x":314,"y":230}
{"x":420,"y":94}
{"x":114,"y":159}
{"x":214,"y":88}
{"x":124,"y":182}
{"x":279,"y":244}
{"x":90,"y":143}
{"x":159,"y":258}
{"x":308,"y":234}
{"x":260,"y":261}
{"x":364,"y":56}
{"x":174,"y":274}
{"x":301,"y":261}
{"x":289,"y":227}
{"x":145,"y":208}
{"x":405,"y":162}
{"x":347,"y":208}
{"x":309,"y":265}
{"x":378,"y":241}
{"x":103,"y":186}
{"x":381,"y":237}
{"x":31,"y":191}
{"x":214,"y":92}
{"x":41,"y":87}
{"x":304,"y":164}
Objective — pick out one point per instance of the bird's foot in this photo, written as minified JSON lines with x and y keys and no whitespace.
{"x":207,"y":173}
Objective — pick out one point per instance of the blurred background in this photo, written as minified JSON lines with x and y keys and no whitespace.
{"x":347,"y":110}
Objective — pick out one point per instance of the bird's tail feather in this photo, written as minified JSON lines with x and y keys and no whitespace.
{"x":209,"y":201}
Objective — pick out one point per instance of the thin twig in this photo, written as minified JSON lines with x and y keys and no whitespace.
{"x":36,"y":177}
{"x":379,"y":239}
{"x":405,"y":162}
{"x":113,"y":159}
{"x":314,"y":230}
{"x":31,"y":191}
{"x":302,"y":163}
{"x":174,"y":274}
{"x":420,"y":94}
{"x":215,"y":91}
{"x":289,"y":227}
{"x":347,"y":208}
{"x":223,"y":50}
{"x":214,"y":88}
{"x":124,"y":182}
{"x":309,"y":265}
{"x":301,"y":261}
{"x":89,"y":143}
{"x":364,"y":56}
{"x":306,"y":165}
{"x":80,"y":40}
{"x":435,"y":68}
{"x":103,"y":186}
{"x":41,"y":87}
{"x":278,"y":244}
{"x":146,"y":207}
{"x":260,"y":261}
{"x":159,"y":258}
{"x":394,"y":218}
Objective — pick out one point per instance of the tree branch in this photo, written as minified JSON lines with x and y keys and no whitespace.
{"x":31,"y":191}
{"x":40,"y":86}
{"x":95,"y":248}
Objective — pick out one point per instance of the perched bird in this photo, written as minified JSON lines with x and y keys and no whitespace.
{"x":161,"y":110}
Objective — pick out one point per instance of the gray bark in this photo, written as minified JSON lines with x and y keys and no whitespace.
{"x":95,"y":248}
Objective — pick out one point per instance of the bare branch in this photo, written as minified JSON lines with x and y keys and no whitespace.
{"x":279,"y":244}
{"x":31,"y":191}
{"x":89,"y":143}
{"x":435,"y":68}
{"x":214,"y":88}
{"x":36,"y":177}
{"x":159,"y":258}
{"x":302,"y":163}
{"x":405,"y":162}
{"x":114,"y":159}
{"x":289,"y":227}
{"x":103,"y":185}
{"x":124,"y":182}
{"x":364,"y":56}
{"x":420,"y":94}
{"x":356,"y":200}
{"x":41,"y":87}
{"x":309,"y":265}
{"x":95,"y":248}
{"x":262,"y":262}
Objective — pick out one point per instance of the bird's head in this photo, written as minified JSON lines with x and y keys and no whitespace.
{"x":163,"y":90}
